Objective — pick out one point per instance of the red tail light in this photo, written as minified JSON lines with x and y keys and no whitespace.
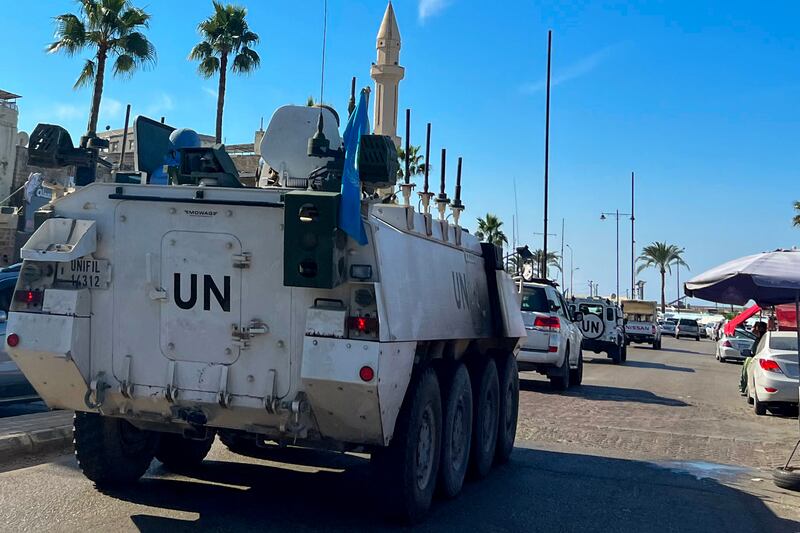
{"x":552,"y":349}
{"x":12,"y":340}
{"x":366,"y":373}
{"x":551,"y":322}
{"x":363,"y":324}
{"x":769,"y":365}
{"x":653,"y":330}
{"x":727,"y":344}
{"x":29,"y":297}
{"x":770,"y":389}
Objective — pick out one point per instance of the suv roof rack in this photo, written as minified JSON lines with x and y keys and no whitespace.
{"x":543,"y":281}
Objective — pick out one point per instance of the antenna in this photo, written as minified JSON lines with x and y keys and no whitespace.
{"x":442,"y":200}
{"x":457,"y":207}
{"x":407,"y":186}
{"x":351,"y":104}
{"x":425,"y":196}
{"x":324,"y":42}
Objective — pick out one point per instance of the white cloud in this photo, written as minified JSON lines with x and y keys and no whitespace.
{"x":428,"y":8}
{"x":210,"y":92}
{"x":110,"y":110}
{"x":162,"y":104}
{"x":68,"y":112}
{"x":575,"y":70}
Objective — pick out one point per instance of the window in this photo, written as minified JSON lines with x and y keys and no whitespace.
{"x":592,"y":309}
{"x":115,"y":146}
{"x":610,"y":314}
{"x":687,"y":322}
{"x":535,"y":299}
{"x":130,"y":144}
{"x":788,"y":344}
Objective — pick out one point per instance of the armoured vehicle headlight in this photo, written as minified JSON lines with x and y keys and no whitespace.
{"x":361,"y":272}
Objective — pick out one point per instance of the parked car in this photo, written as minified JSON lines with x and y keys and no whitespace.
{"x":668,"y":326}
{"x":13,"y":385}
{"x":553,"y":345}
{"x":687,"y":327}
{"x":773,"y":372}
{"x":735,"y":347}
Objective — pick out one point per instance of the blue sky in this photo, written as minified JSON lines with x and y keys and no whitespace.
{"x":699,"y":98}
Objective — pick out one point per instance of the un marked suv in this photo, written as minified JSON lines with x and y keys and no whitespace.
{"x":553,"y":345}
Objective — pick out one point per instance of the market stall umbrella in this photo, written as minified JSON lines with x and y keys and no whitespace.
{"x":770,"y":278}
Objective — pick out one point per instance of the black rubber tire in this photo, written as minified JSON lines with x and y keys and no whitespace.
{"x":657,"y":345}
{"x":788,"y":478}
{"x":237,"y":443}
{"x":487,"y":414}
{"x":697,"y":339}
{"x":560,"y":380}
{"x":456,"y":432}
{"x":758,"y":407}
{"x":576,"y":375}
{"x":624,"y":353}
{"x":111,"y":451}
{"x":395,"y":469}
{"x":180,"y":454}
{"x":509,"y":408}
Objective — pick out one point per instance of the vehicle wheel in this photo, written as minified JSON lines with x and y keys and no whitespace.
{"x":758,"y":407}
{"x":560,"y":380}
{"x":406,"y":471}
{"x":180,"y":454}
{"x":487,"y":413}
{"x":624,"y":350}
{"x":509,"y":408}
{"x":576,"y":376}
{"x":697,"y":339}
{"x":111,"y":451}
{"x":786,"y":478}
{"x":456,"y":432}
{"x":657,"y":345}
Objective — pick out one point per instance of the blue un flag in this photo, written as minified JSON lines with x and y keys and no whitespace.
{"x":350,"y":212}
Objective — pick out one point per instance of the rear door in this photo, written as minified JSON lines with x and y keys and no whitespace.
{"x":535,"y":303}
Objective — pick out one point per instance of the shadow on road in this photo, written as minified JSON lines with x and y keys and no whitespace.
{"x":677,"y":350}
{"x":602,"y":393}
{"x":658,"y":366}
{"x":613,"y":495}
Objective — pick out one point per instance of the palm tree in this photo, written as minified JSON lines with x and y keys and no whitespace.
{"x":416,"y":161}
{"x":110,"y":28}
{"x":489,"y":230}
{"x":662,"y":256}
{"x":224,"y":33}
{"x":796,"y":219}
{"x":553,"y":260}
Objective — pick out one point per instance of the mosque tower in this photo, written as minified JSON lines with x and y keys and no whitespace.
{"x":387,"y":73}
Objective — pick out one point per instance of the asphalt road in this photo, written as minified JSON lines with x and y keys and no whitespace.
{"x":572,"y":479}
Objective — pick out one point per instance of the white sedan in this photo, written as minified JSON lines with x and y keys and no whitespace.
{"x":773,"y":372}
{"x":735,"y":347}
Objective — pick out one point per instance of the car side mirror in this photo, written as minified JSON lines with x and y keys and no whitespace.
{"x":3,"y":316}
{"x":577,"y":317}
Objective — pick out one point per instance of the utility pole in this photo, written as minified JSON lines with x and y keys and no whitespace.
{"x":546,"y":151}
{"x":571,"y":269}
{"x":633,"y":240}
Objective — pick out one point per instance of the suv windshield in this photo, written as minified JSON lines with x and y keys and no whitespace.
{"x":687,"y":322}
{"x":591,"y":309}
{"x":535,"y":299}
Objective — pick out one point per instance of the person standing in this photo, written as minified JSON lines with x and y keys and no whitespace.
{"x":759,"y":329}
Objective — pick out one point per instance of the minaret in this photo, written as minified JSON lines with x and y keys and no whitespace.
{"x":387,"y":74}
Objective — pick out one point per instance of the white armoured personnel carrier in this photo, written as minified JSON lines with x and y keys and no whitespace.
{"x":168,"y":315}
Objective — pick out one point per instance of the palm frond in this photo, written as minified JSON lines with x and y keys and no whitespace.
{"x":70,"y":35}
{"x":246,"y":61}
{"x":208,"y":67}
{"x":201,"y":51}
{"x":87,"y":75}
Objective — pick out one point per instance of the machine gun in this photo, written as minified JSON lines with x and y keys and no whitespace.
{"x":50,"y":146}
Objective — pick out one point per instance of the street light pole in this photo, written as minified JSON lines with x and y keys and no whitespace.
{"x":571,"y":268}
{"x":616,"y":214}
{"x":546,"y":152}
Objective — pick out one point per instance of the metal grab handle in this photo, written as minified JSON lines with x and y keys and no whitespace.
{"x":329,"y":300}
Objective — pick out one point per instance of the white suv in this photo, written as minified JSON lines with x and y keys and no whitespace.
{"x":553,"y":345}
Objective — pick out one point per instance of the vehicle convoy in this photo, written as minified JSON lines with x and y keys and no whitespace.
{"x":553,"y":345}
{"x":166,"y":315}
{"x":641,"y":322}
{"x":601,"y":325}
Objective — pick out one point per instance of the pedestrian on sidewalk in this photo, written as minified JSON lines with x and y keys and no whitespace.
{"x":759,"y":329}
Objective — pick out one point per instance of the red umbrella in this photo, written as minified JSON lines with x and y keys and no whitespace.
{"x":733,"y":323}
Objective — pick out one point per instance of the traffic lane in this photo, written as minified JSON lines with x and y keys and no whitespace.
{"x":538,"y":490}
{"x":676,"y":403}
{"x":23,"y":408}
